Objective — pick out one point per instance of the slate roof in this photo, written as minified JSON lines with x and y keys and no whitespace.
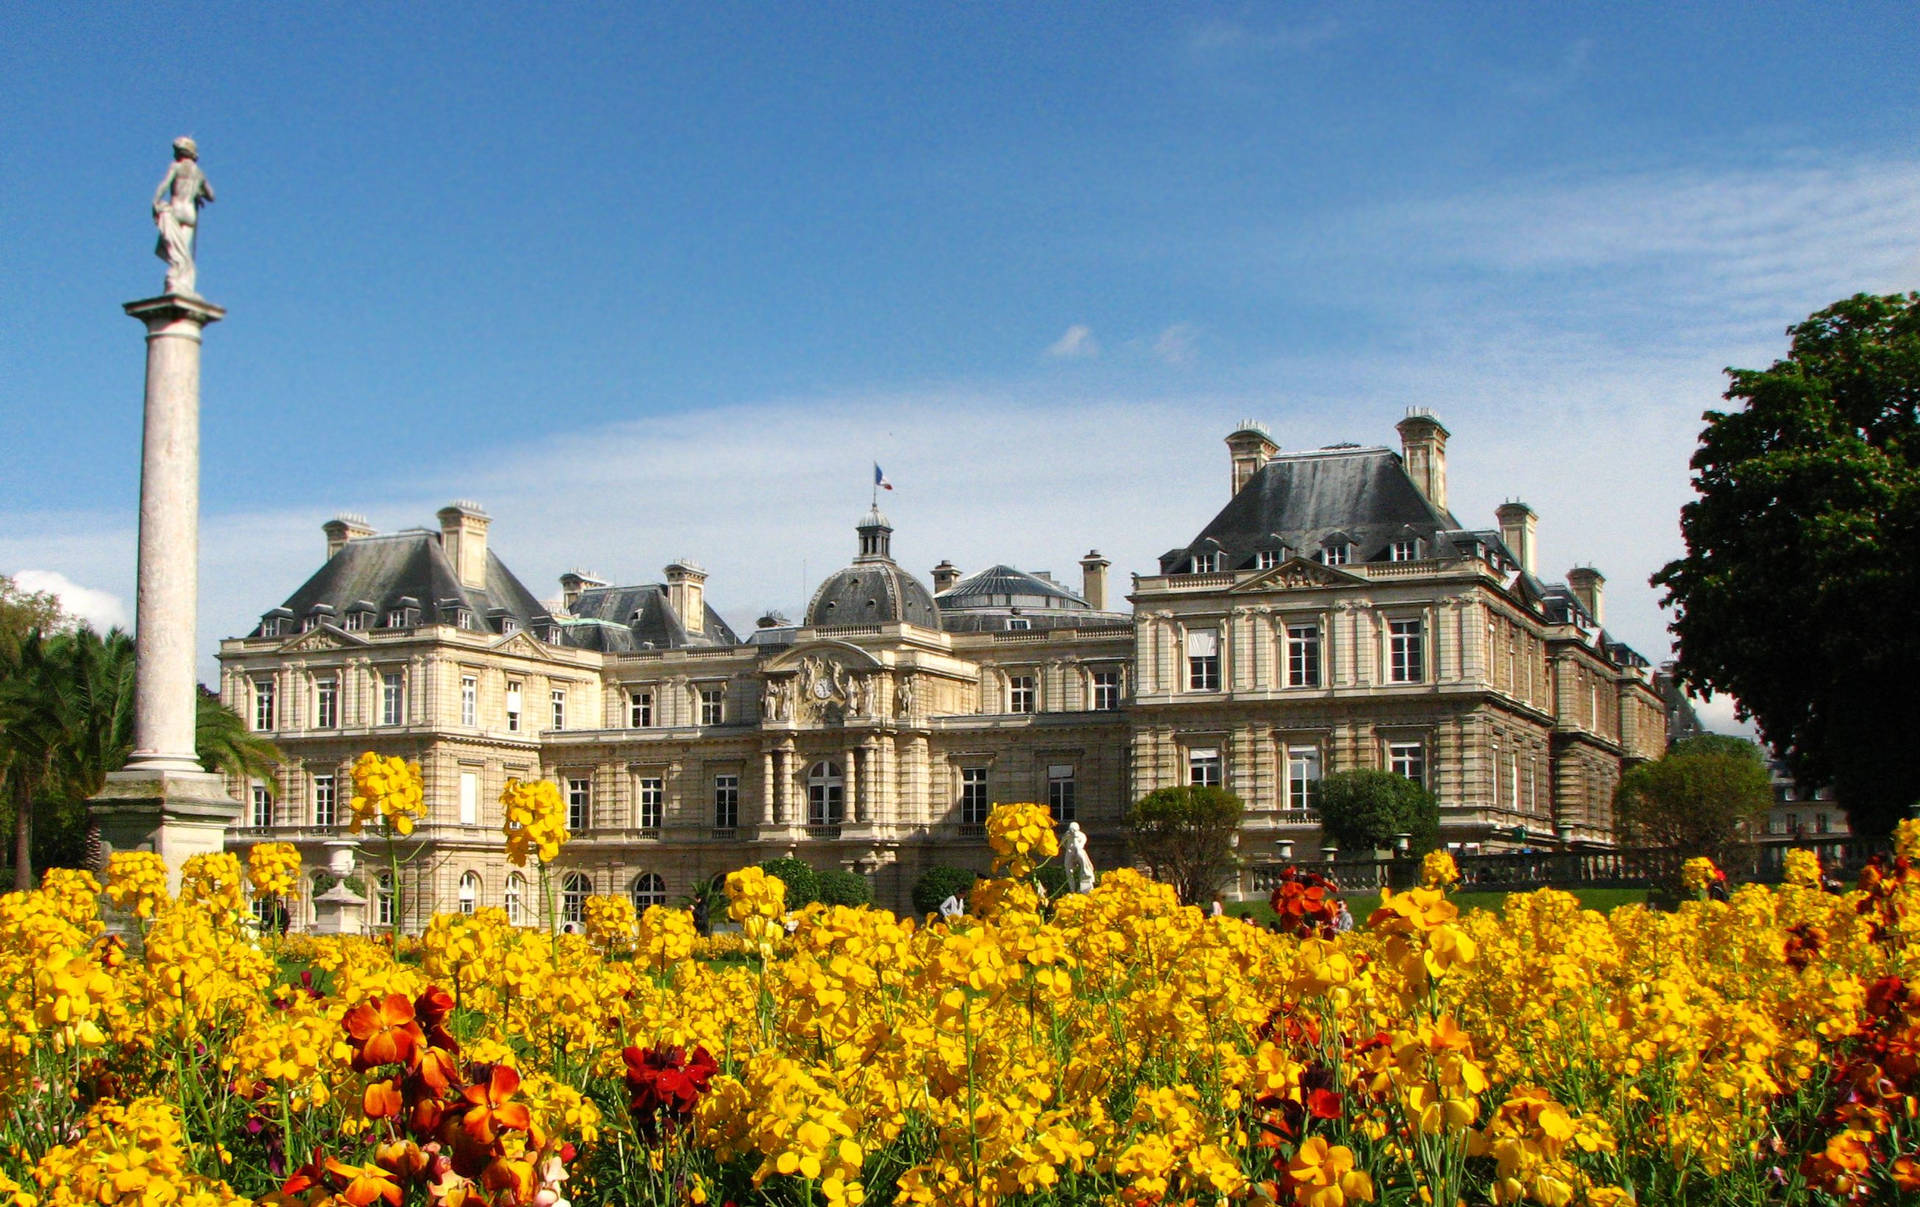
{"x":872,"y":591}
{"x":410,"y":566}
{"x":988,"y":601}
{"x":1298,"y":502}
{"x":638,"y":618}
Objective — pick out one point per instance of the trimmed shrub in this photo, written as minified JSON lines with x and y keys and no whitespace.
{"x":840,"y":887}
{"x":938,"y":883}
{"x":803,"y":883}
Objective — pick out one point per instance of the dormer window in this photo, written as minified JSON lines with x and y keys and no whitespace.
{"x":1336,"y":554}
{"x":396,"y":619}
{"x":462,"y":618}
{"x":1019,"y":622}
{"x":1266,"y":559}
{"x":1206,"y":563}
{"x":509,"y":625}
{"x":1405,"y":549}
{"x":357,"y":621}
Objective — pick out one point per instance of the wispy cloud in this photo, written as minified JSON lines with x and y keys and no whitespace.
{"x":1075,"y":343}
{"x":1217,"y":37}
{"x":1175,"y":345}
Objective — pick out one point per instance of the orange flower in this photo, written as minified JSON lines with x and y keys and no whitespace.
{"x":361,"y":1185}
{"x":1322,"y":1175}
{"x":381,"y":1100}
{"x":438,"y":1069}
{"x":491,"y":1109}
{"x":383,"y":1031}
{"x":403,"y":1158}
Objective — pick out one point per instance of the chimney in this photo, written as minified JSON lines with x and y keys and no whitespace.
{"x":687,"y":594}
{"x":1517,"y":525}
{"x":1423,"y":448}
{"x":1093,"y":580}
{"x":463,"y":537}
{"x":945,"y":575}
{"x":572,"y":583}
{"x":1587,"y":585}
{"x":1251,"y":447}
{"x":343,"y":528}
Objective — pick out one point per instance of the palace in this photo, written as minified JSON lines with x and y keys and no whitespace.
{"x":1334,"y":615}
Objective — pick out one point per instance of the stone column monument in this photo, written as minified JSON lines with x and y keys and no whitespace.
{"x":163,"y":802}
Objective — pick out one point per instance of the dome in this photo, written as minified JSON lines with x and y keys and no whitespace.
{"x":874,"y":589}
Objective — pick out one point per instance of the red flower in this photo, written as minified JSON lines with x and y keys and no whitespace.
{"x":666,"y":1083}
{"x":1323,"y":1104}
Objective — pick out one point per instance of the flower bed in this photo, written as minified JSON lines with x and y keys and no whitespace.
{"x":1111,"y":1047}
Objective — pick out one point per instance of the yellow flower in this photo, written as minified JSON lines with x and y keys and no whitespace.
{"x":535,"y":820}
{"x":388,"y":788}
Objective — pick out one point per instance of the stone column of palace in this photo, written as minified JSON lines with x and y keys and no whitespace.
{"x":162,"y":801}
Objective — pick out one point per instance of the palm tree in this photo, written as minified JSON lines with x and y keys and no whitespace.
{"x":66,"y":721}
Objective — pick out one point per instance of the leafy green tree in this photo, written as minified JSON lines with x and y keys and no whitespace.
{"x":837,"y":886}
{"x":1707,"y":796}
{"x":803,"y":883}
{"x":1797,"y":592}
{"x":1186,"y":836}
{"x":938,"y":883}
{"x":1367,"y":810}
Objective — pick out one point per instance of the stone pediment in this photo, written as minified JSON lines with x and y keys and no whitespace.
{"x":521,"y":643}
{"x":326,"y":637}
{"x":823,"y":682}
{"x":1297,"y":574}
{"x":844,"y":653}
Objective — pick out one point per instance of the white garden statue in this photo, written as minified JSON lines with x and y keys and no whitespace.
{"x":1079,"y":866}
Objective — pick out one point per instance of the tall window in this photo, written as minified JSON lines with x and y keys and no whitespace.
{"x":513,"y":708}
{"x":1020,"y":693}
{"x":383,"y":899}
{"x":326,"y":703}
{"x":1303,"y":655}
{"x":1406,"y":652}
{"x":469,"y":701}
{"x":1203,"y":767}
{"x":323,"y":801}
{"x":1203,"y":660}
{"x":574,"y":891}
{"x":1106,"y":690}
{"x":973,"y":796}
{"x":1408,"y":759}
{"x":559,"y":699}
{"x":640,"y":710}
{"x":469,"y":892}
{"x":263,"y":704}
{"x":726,"y":802}
{"x":826,"y":795}
{"x":469,"y":798}
{"x":713,"y":705}
{"x":1303,"y":778}
{"x":647,"y":890}
{"x":392,"y":698}
{"x":653,"y":801}
{"x":261,"y":815}
{"x":1060,"y":792}
{"x":580,"y":805}
{"x":516,"y":894}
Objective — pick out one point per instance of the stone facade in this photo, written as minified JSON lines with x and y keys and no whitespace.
{"x":873,"y":734}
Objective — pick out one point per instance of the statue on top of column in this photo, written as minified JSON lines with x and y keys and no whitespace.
{"x":176,"y":211}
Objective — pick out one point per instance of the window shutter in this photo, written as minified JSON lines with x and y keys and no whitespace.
{"x":1203,"y":643}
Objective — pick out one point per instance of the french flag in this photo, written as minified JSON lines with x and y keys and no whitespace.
{"x":880,"y":477}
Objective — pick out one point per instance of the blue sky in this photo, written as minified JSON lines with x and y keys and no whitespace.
{"x":663,"y":282}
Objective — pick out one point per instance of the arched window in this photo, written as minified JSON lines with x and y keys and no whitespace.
{"x":383,"y":899}
{"x":574,"y":891}
{"x":647,"y":889}
{"x":469,"y":892}
{"x":516,"y":893}
{"x":826,"y":795}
